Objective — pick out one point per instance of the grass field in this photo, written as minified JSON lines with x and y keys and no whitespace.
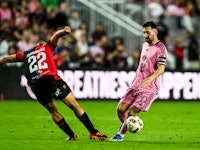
{"x":169,"y":125}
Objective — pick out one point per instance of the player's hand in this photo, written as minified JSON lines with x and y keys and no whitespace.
{"x":146,"y":83}
{"x":67,"y":29}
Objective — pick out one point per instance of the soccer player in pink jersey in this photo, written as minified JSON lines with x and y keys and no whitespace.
{"x":146,"y":84}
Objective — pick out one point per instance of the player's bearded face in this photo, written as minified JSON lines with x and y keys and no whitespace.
{"x":148,"y":34}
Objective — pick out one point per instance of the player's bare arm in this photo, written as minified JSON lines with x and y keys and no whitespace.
{"x":8,"y":59}
{"x":156,"y":74}
{"x":60,"y":33}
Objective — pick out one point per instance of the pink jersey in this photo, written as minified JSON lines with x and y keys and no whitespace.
{"x":150,"y":57}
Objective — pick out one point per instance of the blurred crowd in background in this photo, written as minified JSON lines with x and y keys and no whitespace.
{"x":23,"y":23}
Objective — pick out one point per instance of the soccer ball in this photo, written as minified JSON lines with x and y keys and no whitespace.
{"x":134,"y":124}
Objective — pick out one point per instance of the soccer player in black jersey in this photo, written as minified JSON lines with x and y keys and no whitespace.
{"x":42,"y":76}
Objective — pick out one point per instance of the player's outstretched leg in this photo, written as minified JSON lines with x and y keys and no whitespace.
{"x":60,"y":121}
{"x":83,"y":117}
{"x":94,"y":133}
{"x":122,"y":115}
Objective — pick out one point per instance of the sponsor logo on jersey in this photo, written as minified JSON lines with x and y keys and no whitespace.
{"x":58,"y":92}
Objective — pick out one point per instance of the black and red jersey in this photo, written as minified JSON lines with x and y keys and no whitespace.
{"x":38,"y":62}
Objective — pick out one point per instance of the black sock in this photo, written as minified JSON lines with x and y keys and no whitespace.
{"x":88,"y":124}
{"x":65,"y":127}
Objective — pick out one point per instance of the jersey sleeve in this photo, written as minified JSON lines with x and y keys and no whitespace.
{"x":19,"y":56}
{"x":162,"y":54}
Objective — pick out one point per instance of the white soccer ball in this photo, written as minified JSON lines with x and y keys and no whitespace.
{"x":134,"y":124}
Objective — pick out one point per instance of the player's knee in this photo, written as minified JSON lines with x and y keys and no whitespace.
{"x":120,"y":111}
{"x":73,"y":104}
{"x":51,"y":109}
{"x":133,"y":111}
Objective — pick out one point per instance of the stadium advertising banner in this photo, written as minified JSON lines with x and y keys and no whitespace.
{"x":104,"y":84}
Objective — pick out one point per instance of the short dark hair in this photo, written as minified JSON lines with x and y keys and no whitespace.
{"x":150,"y":24}
{"x":41,"y":42}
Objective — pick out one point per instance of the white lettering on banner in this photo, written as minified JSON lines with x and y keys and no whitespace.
{"x":78,"y":83}
{"x":113,"y":84}
{"x":191,"y":86}
{"x":197,"y":84}
{"x":60,"y":73}
{"x":188,"y":90}
{"x":167,"y":84}
{"x":96,"y":84}
{"x":88,"y":89}
{"x":68,"y":77}
{"x":179,"y":84}
{"x":123,"y":82}
{"x":104,"y":85}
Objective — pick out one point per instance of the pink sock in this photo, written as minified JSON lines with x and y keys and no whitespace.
{"x":122,"y":117}
{"x":123,"y":128}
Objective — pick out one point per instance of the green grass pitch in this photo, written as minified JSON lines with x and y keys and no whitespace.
{"x":172,"y":125}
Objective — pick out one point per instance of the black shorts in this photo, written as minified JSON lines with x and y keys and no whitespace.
{"x":50,"y":87}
